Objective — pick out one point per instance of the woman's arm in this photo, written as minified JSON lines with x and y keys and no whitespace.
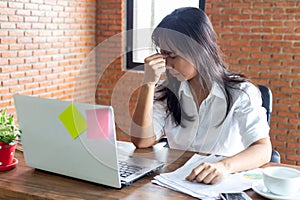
{"x":142,"y":134}
{"x":256,"y":155}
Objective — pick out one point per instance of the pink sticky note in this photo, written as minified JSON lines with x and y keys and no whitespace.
{"x":98,"y":123}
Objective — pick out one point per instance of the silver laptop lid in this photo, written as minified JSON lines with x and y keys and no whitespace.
{"x":65,"y":138}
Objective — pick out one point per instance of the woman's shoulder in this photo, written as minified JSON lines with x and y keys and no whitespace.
{"x":246,"y":91}
{"x":248,"y":87}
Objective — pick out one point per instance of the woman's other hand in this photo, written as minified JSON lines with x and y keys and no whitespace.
{"x":155,"y":65}
{"x":209,"y":173}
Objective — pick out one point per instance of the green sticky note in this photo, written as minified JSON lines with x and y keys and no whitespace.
{"x":73,"y":121}
{"x":253,"y":176}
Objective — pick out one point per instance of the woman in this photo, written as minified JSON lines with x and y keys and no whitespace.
{"x":202,"y":106}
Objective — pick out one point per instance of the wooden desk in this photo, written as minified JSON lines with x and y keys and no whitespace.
{"x":27,"y":183}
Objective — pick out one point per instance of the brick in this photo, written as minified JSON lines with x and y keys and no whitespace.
{"x":269,"y":75}
{"x":260,"y":43}
{"x":24,"y":53}
{"x":288,"y":30}
{"x":16,"y":47}
{"x":45,"y":7}
{"x":292,"y":37}
{"x":260,"y":55}
{"x":249,"y":62}
{"x":288,"y":102}
{"x":44,"y":20}
{"x":15,"y":5}
{"x":272,"y":37}
{"x":9,"y":54}
{"x":23,"y":12}
{"x":32,"y":73}
{"x":282,"y":56}
{"x":31,"y":6}
{"x":15,"y":18}
{"x":7,"y":25}
{"x":285,"y":4}
{"x":293,"y":10}
{"x":39,"y":65}
{"x":241,"y":30}
{"x":289,"y":64}
{"x":272,"y":23}
{"x":4,"y":47}
{"x":38,"y":91}
{"x":294,"y":145}
{"x":261,"y":30}
{"x":3,"y":33}
{"x":15,"y":61}
{"x":240,"y":17}
{"x":282,"y":43}
{"x":3,"y":4}
{"x":3,"y":61}
{"x":24,"y":67}
{"x":274,"y":11}
{"x":251,"y":23}
{"x":272,"y":63}
{"x":262,"y":17}
{"x":291,"y":50}
{"x":39,"y":79}
{"x":31,"y":19}
{"x":271,"y":49}
{"x":31,"y":46}
{"x":23,"y":25}
{"x":16,"y":89}
{"x":37,"y":1}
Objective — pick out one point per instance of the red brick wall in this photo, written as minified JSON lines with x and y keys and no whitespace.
{"x":115,"y":85}
{"x":46,"y":50}
{"x":260,"y":39}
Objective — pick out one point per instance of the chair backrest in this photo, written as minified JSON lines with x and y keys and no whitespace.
{"x":267,"y":103}
{"x":267,"y":100}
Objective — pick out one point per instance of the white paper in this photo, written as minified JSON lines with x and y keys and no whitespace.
{"x":233,"y":183}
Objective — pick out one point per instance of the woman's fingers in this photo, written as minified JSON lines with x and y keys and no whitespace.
{"x":155,"y":65}
{"x":209,"y":173}
{"x":201,"y":173}
{"x":153,"y":57}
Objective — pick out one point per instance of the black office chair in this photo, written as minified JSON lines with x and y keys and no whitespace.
{"x":267,"y":103}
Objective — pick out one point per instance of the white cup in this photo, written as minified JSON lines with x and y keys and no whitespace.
{"x":281,"y":180}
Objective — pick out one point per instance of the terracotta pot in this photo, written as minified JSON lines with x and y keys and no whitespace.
{"x":7,"y":153}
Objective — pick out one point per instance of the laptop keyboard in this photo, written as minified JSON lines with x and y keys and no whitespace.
{"x":127,"y":169}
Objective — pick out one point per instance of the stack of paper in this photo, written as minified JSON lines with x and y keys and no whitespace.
{"x":233,"y":183}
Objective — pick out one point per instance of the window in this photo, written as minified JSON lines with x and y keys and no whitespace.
{"x":142,"y":17}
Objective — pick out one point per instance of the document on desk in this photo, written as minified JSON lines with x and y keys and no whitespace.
{"x":233,"y":183}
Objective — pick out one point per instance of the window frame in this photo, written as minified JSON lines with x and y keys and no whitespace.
{"x":129,"y":64}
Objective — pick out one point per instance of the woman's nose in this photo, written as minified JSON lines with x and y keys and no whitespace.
{"x":168,"y":63}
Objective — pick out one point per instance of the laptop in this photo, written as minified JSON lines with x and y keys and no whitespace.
{"x":76,"y":140}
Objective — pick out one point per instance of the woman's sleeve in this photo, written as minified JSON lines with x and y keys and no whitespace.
{"x":251,"y":116}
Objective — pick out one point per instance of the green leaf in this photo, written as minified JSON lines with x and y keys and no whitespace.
{"x":8,"y":130}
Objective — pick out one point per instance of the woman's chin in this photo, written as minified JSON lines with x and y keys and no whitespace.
{"x":177,"y":76}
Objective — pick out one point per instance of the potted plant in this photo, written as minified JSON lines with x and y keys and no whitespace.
{"x":9,"y":133}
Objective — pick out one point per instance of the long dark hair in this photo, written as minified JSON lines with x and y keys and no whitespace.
{"x":189,"y":32}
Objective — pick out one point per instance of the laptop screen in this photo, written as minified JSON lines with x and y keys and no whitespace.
{"x":69,"y":138}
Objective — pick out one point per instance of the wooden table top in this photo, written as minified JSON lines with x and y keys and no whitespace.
{"x":25,"y":182}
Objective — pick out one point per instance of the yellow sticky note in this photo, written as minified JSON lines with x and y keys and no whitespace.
{"x":73,"y":121}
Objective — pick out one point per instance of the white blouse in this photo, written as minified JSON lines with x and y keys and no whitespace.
{"x":210,"y":132}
